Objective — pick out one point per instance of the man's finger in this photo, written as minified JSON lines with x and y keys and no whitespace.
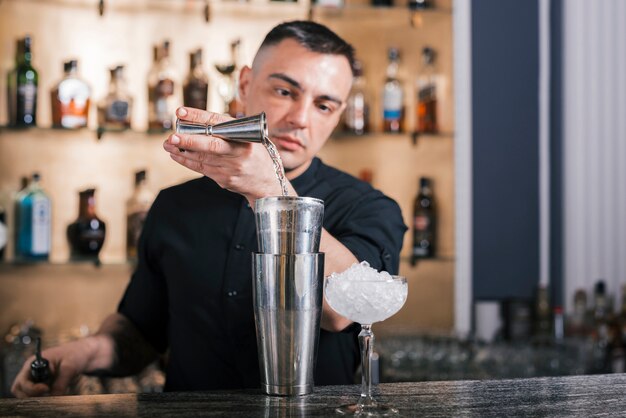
{"x":24,"y":388}
{"x":200,"y":143}
{"x":61,"y":383}
{"x":206,"y":159}
{"x":201,"y":116}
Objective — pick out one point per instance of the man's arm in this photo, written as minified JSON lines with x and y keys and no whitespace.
{"x":337,"y":258}
{"x":117,"y":349}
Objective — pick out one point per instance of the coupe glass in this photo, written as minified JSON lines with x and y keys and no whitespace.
{"x":366,"y":302}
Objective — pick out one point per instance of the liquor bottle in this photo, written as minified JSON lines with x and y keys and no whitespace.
{"x":136,"y":210}
{"x":559,"y":324}
{"x":424,"y":222}
{"x":162,"y":100}
{"x":621,"y":323}
{"x":70,"y":99}
{"x":115,"y":109}
{"x":426,"y":116}
{"x":420,"y":4}
{"x":235,"y":107}
{"x":356,"y":115}
{"x":335,"y":4}
{"x":578,"y":325}
{"x":393,"y":95}
{"x":22,"y":87}
{"x":196,"y":87}
{"x":33,"y":223}
{"x":86,"y":234}
{"x":228,"y":87}
{"x":600,"y":331}
{"x":542,"y":328}
{"x":4,"y":233}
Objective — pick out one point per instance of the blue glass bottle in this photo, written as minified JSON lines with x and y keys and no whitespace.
{"x":33,"y":222}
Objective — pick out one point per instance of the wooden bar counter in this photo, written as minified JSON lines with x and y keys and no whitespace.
{"x":571,"y":396}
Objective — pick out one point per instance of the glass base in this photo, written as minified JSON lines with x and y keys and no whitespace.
{"x":375,"y":410}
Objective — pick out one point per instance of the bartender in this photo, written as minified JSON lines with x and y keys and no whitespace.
{"x":190,"y":296}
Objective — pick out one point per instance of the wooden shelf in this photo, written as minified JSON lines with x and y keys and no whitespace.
{"x":97,"y":133}
{"x":392,"y":16}
{"x":240,"y":9}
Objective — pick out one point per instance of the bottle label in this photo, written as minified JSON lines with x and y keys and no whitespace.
{"x":164,"y":88}
{"x":117,"y":111}
{"x":426,"y":93}
{"x":27,"y":93}
{"x":356,"y":113}
{"x":163,"y":103}
{"x":41,"y":226}
{"x":3,"y":235}
{"x":392,"y":104}
{"x":422,"y":222}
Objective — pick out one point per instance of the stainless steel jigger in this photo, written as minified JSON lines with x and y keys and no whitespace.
{"x":248,"y":129}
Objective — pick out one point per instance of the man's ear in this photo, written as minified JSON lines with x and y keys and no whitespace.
{"x":245,"y":76}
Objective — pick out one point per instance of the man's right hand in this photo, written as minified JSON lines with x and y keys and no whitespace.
{"x":67,"y":362}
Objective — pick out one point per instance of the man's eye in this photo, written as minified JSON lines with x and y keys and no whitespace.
{"x":324,"y":108}
{"x":283,"y":92}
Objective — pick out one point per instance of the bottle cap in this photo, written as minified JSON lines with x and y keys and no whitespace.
{"x":428,"y":55}
{"x":600,"y":287}
{"x":357,"y":68}
{"x":394,"y":53}
{"x":40,"y":367}
{"x":70,"y":65}
{"x":140,"y":176}
{"x":36,"y":176}
{"x":425,"y":182}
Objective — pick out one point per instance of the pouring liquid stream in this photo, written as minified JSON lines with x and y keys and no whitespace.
{"x":278,"y":164}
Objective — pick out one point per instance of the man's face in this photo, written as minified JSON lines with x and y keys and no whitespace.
{"x":302,"y":93}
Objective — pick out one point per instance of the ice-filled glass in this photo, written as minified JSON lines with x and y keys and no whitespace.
{"x":365,"y":296}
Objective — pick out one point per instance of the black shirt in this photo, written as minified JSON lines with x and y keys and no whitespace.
{"x":191,"y":292}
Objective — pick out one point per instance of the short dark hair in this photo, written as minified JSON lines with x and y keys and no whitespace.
{"x":313,"y":36}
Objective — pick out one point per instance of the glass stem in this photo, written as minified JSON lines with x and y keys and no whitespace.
{"x":366,"y":341}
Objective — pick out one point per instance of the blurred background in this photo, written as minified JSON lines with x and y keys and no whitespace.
{"x":498,"y":126}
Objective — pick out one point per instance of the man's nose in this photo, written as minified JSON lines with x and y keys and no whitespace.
{"x":298,"y":116}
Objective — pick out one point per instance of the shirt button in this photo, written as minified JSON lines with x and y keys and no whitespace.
{"x":239,"y":247}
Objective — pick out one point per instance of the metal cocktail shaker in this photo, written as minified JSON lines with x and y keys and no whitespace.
{"x":288,"y":277}
{"x":287,"y":307}
{"x":288,"y":224}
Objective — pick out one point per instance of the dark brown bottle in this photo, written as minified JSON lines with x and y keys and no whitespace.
{"x":86,"y":234}
{"x":427,"y":94}
{"x":424,"y":223}
{"x":196,"y":87}
{"x":137,"y":207}
{"x":4,"y":236}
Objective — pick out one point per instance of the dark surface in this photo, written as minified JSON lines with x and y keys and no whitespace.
{"x":574,"y":396}
{"x":505,"y":160}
